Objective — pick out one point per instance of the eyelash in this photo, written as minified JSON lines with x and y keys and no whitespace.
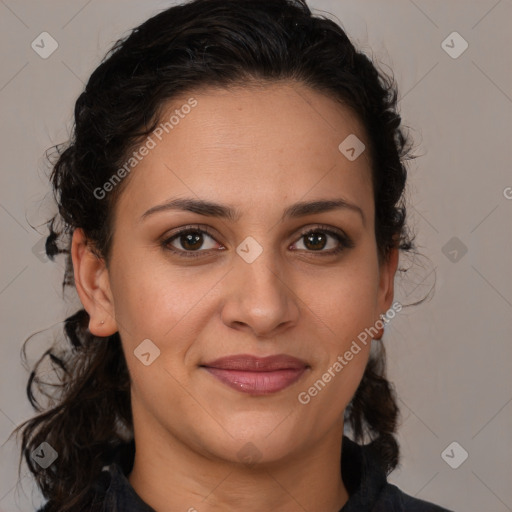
{"x":344,"y":241}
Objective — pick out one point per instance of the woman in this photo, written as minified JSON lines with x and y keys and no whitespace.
{"x":231,"y":209}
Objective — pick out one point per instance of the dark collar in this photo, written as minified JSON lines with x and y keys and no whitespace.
{"x":362,"y":476}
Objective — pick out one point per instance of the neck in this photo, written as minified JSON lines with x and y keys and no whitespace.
{"x":169,"y":475}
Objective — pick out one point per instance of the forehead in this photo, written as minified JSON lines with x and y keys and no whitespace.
{"x":251,"y":146}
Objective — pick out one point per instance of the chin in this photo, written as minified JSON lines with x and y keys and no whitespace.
{"x":254,"y":445}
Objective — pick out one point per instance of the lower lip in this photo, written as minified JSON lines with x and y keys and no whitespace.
{"x":257,"y":383}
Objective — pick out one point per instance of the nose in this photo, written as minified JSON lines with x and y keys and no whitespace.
{"x":258,"y":297}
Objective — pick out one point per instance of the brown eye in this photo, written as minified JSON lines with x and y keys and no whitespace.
{"x":318,"y":239}
{"x":315,"y":241}
{"x":189,"y":242}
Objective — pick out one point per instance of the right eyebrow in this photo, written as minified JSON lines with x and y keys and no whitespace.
{"x":199,"y":206}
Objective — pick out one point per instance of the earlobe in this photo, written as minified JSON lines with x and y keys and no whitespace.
{"x":93,"y":286}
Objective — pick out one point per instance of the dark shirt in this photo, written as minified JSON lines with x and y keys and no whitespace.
{"x":364,"y":480}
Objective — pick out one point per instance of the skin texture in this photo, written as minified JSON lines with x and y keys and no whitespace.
{"x":258,"y":149}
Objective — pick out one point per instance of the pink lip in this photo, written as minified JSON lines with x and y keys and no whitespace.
{"x":256,"y":375}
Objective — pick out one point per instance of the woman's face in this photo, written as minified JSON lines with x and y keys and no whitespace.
{"x":253,"y":285}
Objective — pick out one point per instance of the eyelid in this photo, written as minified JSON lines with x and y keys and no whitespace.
{"x":327,"y":229}
{"x":189,"y":227}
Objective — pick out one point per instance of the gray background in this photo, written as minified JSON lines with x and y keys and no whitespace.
{"x":450,"y":358}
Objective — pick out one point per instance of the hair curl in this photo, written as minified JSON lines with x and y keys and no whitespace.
{"x":190,"y":46}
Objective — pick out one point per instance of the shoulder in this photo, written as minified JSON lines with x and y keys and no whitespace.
{"x":369,"y":490}
{"x":392,"y":499}
{"x":92,"y":507}
{"x":98,"y":506}
{"x":96,"y":500}
{"x":109,"y":486}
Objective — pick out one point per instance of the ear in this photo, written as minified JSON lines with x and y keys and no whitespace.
{"x":93,"y":286}
{"x":387,"y":271}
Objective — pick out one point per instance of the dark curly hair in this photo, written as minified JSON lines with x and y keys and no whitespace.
{"x":184,"y":48}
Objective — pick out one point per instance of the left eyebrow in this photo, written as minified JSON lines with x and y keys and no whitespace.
{"x":211,"y":209}
{"x":310,"y":208}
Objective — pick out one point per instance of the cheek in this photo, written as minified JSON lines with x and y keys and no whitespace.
{"x":342,"y":310}
{"x":164,"y":304}
{"x":343,"y":305}
{"x":149,"y":299}
{"x":344,"y":300}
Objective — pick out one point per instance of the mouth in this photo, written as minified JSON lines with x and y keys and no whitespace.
{"x":256,"y":375}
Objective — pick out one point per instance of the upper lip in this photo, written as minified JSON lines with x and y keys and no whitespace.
{"x":247,"y":362}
